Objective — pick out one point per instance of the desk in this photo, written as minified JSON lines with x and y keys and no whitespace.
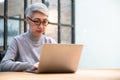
{"x":82,"y":74}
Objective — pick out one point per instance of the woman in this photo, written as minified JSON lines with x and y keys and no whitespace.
{"x":24,"y":51}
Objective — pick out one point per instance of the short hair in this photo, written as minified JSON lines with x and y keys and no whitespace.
{"x":39,"y":7}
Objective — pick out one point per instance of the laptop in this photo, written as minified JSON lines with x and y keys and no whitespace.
{"x":59,"y":58}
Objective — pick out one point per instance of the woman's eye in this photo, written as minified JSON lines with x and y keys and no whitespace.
{"x":37,"y":21}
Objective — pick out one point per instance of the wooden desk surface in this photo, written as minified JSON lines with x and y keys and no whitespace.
{"x":82,"y":74}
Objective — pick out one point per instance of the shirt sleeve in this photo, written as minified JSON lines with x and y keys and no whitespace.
{"x":9,"y":62}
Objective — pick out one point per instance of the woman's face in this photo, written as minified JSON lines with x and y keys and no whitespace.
{"x":37,"y":23}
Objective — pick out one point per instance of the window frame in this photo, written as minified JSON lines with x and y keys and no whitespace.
{"x":59,"y":24}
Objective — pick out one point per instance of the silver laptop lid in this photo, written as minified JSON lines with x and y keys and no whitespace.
{"x":60,"y":57}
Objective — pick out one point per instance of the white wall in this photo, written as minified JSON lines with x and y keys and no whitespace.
{"x":98,"y":28}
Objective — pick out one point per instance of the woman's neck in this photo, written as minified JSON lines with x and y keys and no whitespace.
{"x":33,"y":38}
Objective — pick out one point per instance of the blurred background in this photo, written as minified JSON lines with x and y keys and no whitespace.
{"x":97,"y":26}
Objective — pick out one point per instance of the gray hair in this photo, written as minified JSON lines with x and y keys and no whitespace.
{"x":39,"y":7}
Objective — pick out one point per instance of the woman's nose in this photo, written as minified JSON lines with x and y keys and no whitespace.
{"x":40,"y":26}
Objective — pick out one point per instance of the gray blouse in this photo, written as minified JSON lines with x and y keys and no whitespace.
{"x":23,"y":52}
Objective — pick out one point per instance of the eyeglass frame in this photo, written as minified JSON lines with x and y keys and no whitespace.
{"x":39,"y":21}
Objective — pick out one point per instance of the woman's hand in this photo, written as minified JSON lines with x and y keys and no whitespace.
{"x":35,"y":66}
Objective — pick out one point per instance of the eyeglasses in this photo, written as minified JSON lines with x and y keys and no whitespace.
{"x":38,"y":22}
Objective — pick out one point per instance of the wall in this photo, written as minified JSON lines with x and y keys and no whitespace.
{"x":98,"y":28}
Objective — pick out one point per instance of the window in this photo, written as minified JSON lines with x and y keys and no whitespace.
{"x":12,"y":22}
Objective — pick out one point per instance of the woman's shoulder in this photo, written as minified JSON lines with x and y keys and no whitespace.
{"x":20,"y":37}
{"x":48,"y":39}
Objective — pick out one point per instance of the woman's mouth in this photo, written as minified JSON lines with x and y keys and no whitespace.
{"x":39,"y":31}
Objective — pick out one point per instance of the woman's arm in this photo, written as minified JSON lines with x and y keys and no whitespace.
{"x":9,"y":62}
